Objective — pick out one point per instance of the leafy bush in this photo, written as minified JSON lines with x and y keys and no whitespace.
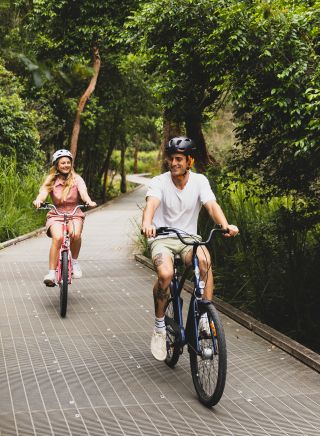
{"x":18,"y":134}
{"x":17,"y":215}
{"x":269,"y":270}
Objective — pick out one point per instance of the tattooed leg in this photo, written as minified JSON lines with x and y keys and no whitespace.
{"x":161,"y":297}
{"x":161,"y":293}
{"x":158,"y":260}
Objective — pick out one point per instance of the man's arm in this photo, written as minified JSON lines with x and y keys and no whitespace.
{"x":216,"y":213}
{"x":147,"y":228}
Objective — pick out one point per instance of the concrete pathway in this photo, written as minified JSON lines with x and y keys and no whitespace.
{"x":92,"y":373}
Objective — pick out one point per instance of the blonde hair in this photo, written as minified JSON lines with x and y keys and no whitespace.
{"x":69,"y":181}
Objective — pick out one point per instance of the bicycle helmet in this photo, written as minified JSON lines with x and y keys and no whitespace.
{"x":181,"y":144}
{"x":61,"y":153}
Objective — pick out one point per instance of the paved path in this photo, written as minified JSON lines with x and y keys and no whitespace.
{"x":92,"y":373}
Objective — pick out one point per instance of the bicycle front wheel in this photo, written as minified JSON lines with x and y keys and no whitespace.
{"x":209,"y":365}
{"x":64,"y":284}
{"x":172,"y":336}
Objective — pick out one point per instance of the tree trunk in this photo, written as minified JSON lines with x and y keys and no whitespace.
{"x":194,"y":131}
{"x":170,"y":130}
{"x":112,"y":143}
{"x":90,"y":163}
{"x":105,"y":169}
{"x":82,"y":102}
{"x":123,"y":183}
{"x":135,"y":155}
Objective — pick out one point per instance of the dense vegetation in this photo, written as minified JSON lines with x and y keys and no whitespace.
{"x":170,"y":67}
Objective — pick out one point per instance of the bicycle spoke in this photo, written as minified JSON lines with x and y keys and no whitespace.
{"x":173,"y":346}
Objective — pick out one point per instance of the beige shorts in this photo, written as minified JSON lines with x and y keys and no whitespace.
{"x":171,"y":246}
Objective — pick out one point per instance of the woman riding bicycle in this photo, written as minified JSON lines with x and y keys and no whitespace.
{"x":174,"y":199}
{"x":66,"y":188}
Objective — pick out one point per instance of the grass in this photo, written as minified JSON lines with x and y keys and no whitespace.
{"x":269,"y":270}
{"x":17,"y":214}
{"x":148,"y":162}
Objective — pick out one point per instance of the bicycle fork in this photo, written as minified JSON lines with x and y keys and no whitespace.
{"x":177,"y":302}
{"x":65,"y":247}
{"x":197,"y":307}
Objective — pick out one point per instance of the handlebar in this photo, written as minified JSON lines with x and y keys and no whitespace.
{"x":167,"y":230}
{"x":49,"y":206}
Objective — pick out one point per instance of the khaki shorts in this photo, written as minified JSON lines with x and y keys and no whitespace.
{"x":171,"y":246}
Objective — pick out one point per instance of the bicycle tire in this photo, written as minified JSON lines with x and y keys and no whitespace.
{"x":172,"y":336}
{"x":64,"y":284}
{"x":209,"y":374}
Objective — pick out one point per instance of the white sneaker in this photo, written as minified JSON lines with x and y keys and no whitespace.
{"x":50,"y":279}
{"x":204,"y":328}
{"x":159,"y":345}
{"x":76,"y":270}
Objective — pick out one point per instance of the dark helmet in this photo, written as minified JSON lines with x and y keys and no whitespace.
{"x":182,"y":145}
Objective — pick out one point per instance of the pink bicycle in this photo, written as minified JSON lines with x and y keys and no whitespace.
{"x":64,"y":268}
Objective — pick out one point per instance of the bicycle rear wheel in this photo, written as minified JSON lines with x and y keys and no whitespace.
{"x":173,"y":336}
{"x":209,"y":367}
{"x":64,"y":284}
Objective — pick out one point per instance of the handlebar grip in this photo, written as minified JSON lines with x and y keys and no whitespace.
{"x":159,"y":231}
{"x":162,"y":231}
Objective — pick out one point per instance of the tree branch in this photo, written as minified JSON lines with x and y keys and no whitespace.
{"x":83,"y":101}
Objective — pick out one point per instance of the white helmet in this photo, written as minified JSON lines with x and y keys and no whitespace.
{"x":60,"y":153}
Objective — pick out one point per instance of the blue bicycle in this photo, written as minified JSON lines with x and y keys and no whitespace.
{"x":203,"y":334}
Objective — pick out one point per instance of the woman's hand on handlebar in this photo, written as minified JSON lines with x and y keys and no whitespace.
{"x":37,"y":203}
{"x":148,"y":230}
{"x":91,"y":203}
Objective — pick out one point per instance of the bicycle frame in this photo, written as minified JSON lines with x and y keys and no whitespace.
{"x":197,"y":302}
{"x":204,"y":336}
{"x":65,"y":246}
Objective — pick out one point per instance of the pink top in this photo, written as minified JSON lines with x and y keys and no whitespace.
{"x":72,"y":199}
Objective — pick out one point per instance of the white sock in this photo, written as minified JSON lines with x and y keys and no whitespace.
{"x":52,"y":272}
{"x":159,"y":324}
{"x":74,"y":261}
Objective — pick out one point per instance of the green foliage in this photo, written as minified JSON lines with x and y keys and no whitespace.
{"x":274,"y":80}
{"x":148,"y":162}
{"x":269,"y":270}
{"x":168,"y":34}
{"x":18,"y":134}
{"x":64,"y":28}
{"x":53,"y":53}
{"x":17,"y":214}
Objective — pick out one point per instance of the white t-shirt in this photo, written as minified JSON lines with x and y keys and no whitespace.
{"x":180,"y":208}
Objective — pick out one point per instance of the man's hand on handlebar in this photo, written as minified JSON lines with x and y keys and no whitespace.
{"x":148,"y":230}
{"x":232,"y":231}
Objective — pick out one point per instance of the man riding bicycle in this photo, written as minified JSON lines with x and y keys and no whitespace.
{"x":174,"y":199}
